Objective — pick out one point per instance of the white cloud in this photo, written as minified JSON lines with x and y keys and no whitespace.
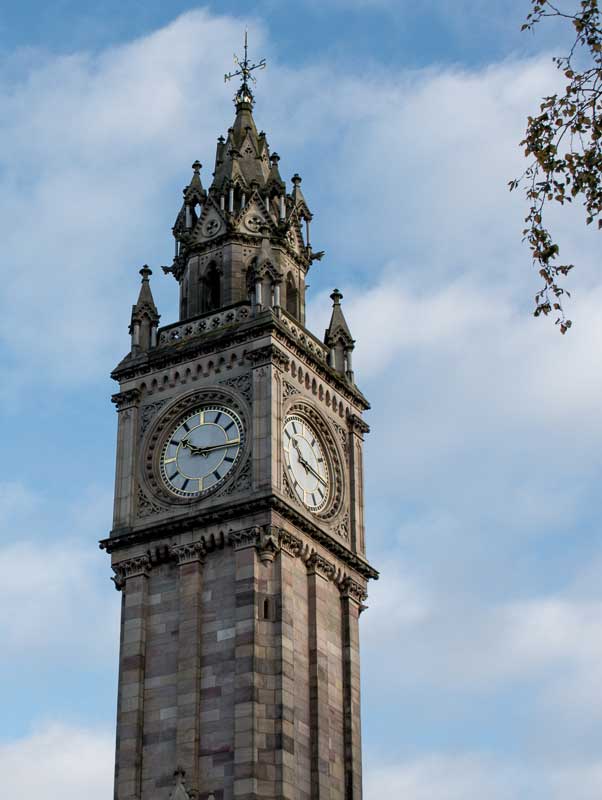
{"x":59,"y":762}
{"x":457,"y":777}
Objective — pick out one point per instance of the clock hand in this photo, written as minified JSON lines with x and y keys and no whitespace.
{"x":302,"y":461}
{"x":307,"y":466}
{"x":317,"y":474}
{"x":202,"y":451}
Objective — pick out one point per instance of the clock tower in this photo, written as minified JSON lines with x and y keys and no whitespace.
{"x":238,"y":534}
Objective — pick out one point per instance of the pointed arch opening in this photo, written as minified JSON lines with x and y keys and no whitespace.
{"x":291,"y":297}
{"x":212,"y":288}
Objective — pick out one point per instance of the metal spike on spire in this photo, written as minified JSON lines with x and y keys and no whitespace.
{"x":244,"y":94}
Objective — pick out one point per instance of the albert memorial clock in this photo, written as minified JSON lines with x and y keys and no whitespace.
{"x":238,"y":533}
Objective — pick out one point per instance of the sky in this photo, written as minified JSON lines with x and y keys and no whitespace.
{"x":483,"y":638}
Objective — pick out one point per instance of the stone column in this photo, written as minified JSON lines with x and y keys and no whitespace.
{"x":285,"y":697}
{"x":190,"y":559}
{"x":246,"y":773}
{"x":357,"y":429}
{"x":131,"y":577}
{"x":127,"y":447}
{"x":351,"y":604}
{"x":318,"y":572}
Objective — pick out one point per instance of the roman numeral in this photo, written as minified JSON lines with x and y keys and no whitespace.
{"x":320,"y":460}
{"x":186,"y":482}
{"x":288,"y":433}
{"x":185,"y":426}
{"x":320,"y":492}
{"x":313,"y":499}
{"x":227,"y":428}
{"x":175,"y":441}
{"x":228,"y":459}
{"x":216,"y":475}
{"x":218,"y":417}
{"x":295,"y":428}
{"x":175,"y":475}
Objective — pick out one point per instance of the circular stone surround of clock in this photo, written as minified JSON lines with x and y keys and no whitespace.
{"x":306,"y":463}
{"x":201,"y":450}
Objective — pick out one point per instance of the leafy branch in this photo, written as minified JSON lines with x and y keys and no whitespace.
{"x":564,"y":142}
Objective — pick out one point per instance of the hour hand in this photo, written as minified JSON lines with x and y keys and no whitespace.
{"x":194,"y":450}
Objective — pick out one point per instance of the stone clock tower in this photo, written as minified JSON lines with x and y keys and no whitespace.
{"x":238,"y":534}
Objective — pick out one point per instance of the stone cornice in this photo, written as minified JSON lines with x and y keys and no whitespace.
{"x":120,"y":540}
{"x":269,"y":540}
{"x":264,"y":324}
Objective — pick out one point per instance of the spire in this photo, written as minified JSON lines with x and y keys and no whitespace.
{"x":145,"y":317}
{"x":338,"y":339}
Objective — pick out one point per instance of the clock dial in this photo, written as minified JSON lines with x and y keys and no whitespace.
{"x":306,"y":463}
{"x":201,"y":450}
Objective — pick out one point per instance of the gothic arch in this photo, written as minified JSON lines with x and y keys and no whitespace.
{"x":291,"y":299}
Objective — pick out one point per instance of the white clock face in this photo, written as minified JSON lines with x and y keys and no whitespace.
{"x":201,"y":450}
{"x":306,"y":463}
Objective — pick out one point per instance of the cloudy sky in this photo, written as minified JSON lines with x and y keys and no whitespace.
{"x":482,"y":645}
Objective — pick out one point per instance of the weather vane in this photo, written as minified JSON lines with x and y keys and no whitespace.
{"x":244,"y":94}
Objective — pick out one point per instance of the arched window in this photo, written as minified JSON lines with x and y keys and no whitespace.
{"x":212,"y":289}
{"x":292,"y":296}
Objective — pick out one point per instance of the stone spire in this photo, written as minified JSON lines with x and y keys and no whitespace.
{"x":145,"y":317}
{"x":246,"y":238}
{"x":338,"y":339}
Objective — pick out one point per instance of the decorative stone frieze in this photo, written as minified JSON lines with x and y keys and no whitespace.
{"x":317,"y":565}
{"x":204,"y":325}
{"x":242,"y":384}
{"x":189,"y":552}
{"x":246,"y":538}
{"x":268,"y":355}
{"x":147,"y":414}
{"x":351,"y":589}
{"x":131,"y":568}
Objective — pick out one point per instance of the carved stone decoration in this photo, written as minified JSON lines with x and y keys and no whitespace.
{"x":357,"y":424}
{"x":343,"y":438}
{"x":190,"y":552}
{"x":126,"y":399}
{"x":268,"y":355}
{"x":147,"y":413}
{"x":342,"y":528}
{"x":242,"y":384}
{"x":353,"y":590}
{"x":288,"y":489}
{"x":320,"y":566}
{"x":269,"y":544}
{"x":290,"y":544}
{"x":288,"y":390}
{"x":180,"y":792}
{"x":240,"y":482}
{"x":145,"y":506}
{"x":131,"y":568}
{"x":247,"y":538}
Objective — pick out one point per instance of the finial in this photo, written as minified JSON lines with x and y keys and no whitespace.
{"x":274,"y":158}
{"x":220,"y":139}
{"x":244,"y":94}
{"x":146,"y":272}
{"x":336,"y":297}
{"x":296,"y":179}
{"x":197,"y":167}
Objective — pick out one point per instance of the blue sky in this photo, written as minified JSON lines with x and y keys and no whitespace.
{"x":483,"y":639}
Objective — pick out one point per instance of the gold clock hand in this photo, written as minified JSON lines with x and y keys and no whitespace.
{"x":202,"y":451}
{"x":317,"y":474}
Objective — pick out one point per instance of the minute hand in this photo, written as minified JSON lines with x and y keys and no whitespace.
{"x":308,"y":466}
{"x":202,"y":451}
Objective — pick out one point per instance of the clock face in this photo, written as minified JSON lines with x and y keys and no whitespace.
{"x":306,"y":463}
{"x":201,"y":450}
